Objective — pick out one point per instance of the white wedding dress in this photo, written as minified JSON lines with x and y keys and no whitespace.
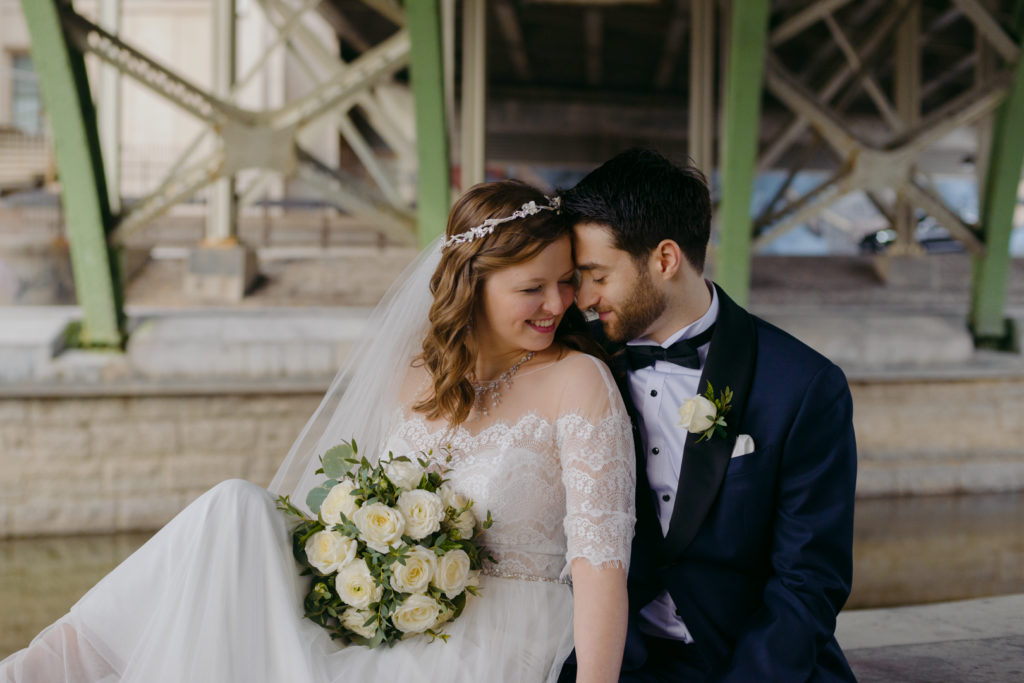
{"x":216,"y":596}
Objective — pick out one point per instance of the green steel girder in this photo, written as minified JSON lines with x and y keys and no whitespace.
{"x":426,"y":70}
{"x":999,"y":200}
{"x":892,"y":166}
{"x":742,"y":108}
{"x":64,"y":86}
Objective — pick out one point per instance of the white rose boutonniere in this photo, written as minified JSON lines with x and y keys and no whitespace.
{"x":705,"y":415}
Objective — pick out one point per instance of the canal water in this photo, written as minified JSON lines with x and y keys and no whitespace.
{"x":906,"y":551}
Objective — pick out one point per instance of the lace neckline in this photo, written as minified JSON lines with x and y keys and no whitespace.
{"x":462,"y":435}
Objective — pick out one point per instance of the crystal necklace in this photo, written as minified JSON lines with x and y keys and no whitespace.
{"x":488,"y":394}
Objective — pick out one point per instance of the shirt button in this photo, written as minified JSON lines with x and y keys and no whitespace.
{"x":666,"y":498}
{"x":654,"y":392}
{"x":655,"y":450}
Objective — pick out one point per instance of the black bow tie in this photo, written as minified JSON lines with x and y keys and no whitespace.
{"x":682,"y":353}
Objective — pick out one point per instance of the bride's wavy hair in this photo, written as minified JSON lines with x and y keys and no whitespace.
{"x":449,"y":349}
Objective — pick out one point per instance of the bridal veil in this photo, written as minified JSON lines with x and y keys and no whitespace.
{"x":362,"y":398}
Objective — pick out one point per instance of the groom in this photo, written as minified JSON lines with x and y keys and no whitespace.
{"x":742,"y":554}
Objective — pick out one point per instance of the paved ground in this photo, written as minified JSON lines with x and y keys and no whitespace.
{"x":981,"y":641}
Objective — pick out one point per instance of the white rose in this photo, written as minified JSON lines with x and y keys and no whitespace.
{"x":356,"y":586}
{"x":380,"y":527}
{"x":338,"y":501}
{"x":404,"y":474}
{"x":697,"y":414}
{"x":355,"y":620}
{"x":423,"y":512}
{"x":465,"y":524}
{"x":452,"y":573}
{"x":329,"y":551}
{"x":416,"y":614}
{"x":414,"y":576}
{"x":452,"y":498}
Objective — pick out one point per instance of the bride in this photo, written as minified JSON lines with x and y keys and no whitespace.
{"x":474,"y":348}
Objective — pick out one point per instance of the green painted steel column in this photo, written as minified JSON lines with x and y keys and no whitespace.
{"x":426,"y":70}
{"x":64,"y":87}
{"x":991,"y":269}
{"x":741,"y":118}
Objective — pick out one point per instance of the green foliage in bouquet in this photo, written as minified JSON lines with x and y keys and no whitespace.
{"x":393,"y":550}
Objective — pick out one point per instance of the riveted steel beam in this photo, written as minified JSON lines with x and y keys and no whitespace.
{"x":990,"y":28}
{"x":222,"y":202}
{"x":1002,"y":183}
{"x":742,"y":107}
{"x":473,"y":128}
{"x":427,"y":74}
{"x":701,"y":120}
{"x":355,"y":197}
{"x":88,"y":37}
{"x":875,"y":40}
{"x":258,"y":139}
{"x":890,"y":167}
{"x":64,"y":87}
{"x":807,"y":16}
{"x":108,"y":100}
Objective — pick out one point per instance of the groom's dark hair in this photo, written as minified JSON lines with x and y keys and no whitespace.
{"x":643,"y":198}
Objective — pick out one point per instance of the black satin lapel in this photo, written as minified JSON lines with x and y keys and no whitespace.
{"x":730,"y":363}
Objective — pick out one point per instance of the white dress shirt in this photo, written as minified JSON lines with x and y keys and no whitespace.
{"x":658,"y":391}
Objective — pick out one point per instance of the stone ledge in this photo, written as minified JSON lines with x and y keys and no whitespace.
{"x":976,"y":640}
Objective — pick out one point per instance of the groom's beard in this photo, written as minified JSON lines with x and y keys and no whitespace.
{"x":637,"y":313}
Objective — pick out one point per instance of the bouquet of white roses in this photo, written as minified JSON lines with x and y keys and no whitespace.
{"x":392,"y":550}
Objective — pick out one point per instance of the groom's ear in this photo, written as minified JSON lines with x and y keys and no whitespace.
{"x":667,"y":259}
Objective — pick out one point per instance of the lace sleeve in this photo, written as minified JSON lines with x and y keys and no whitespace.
{"x":595,"y":446}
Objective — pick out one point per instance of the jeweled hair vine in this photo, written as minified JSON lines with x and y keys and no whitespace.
{"x":530,"y":208}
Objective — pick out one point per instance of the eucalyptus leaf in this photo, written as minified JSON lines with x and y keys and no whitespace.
{"x":335,"y":465}
{"x":316,"y":498}
{"x":377,"y":639}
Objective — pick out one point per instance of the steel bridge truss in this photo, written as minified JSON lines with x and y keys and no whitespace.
{"x":267,"y":140}
{"x":887,"y":172}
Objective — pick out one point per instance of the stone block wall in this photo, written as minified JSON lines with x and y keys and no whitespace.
{"x":120,"y":463}
{"x":936,"y":436}
{"x":126,"y":463}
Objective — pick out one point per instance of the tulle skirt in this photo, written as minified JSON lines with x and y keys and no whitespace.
{"x":216,"y":596}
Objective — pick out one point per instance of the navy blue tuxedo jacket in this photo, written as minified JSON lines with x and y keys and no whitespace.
{"x":758,"y":556}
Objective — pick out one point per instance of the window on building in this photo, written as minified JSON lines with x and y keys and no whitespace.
{"x":26,"y":105}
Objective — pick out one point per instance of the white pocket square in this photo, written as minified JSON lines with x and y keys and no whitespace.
{"x":744,"y":444}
